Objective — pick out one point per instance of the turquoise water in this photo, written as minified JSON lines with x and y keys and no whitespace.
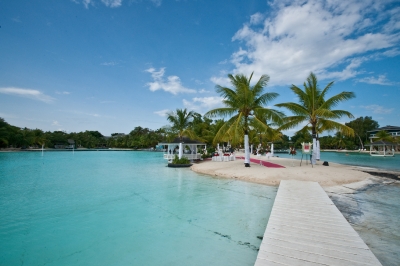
{"x":355,"y":158}
{"x":124,"y":208}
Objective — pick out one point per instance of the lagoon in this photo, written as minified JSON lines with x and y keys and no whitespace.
{"x":354,"y":158}
{"x":124,"y":208}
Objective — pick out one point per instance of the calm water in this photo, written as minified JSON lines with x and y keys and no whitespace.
{"x":124,"y":208}
{"x":374,"y":213}
{"x":355,"y":158}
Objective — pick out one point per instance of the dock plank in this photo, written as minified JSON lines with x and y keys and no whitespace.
{"x":306,"y":228}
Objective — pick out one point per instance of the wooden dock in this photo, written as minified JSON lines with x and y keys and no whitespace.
{"x":306,"y":228}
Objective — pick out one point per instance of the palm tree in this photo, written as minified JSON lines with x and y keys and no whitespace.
{"x":260,"y":135}
{"x":244,"y":104}
{"x":316,"y":111}
{"x":182,"y":122}
{"x":385,"y":136}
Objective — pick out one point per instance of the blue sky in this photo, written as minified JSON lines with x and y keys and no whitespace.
{"x":112,"y":65}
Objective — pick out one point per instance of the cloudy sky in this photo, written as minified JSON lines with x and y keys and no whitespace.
{"x":112,"y":65}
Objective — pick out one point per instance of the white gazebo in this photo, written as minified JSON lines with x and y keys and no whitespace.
{"x":184,"y":147}
{"x":381,"y":148}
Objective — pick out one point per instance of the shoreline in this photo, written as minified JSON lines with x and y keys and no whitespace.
{"x":79,"y":149}
{"x":334,"y":175}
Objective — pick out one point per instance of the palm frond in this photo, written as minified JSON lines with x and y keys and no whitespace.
{"x":333,"y":125}
{"x":335,"y":100}
{"x":292,"y":121}
{"x":295,"y":108}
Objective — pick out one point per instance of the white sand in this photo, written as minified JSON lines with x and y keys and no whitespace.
{"x":326,"y":176}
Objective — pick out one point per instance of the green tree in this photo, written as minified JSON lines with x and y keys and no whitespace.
{"x":361,"y":126}
{"x":244,"y":104}
{"x":300,"y":137}
{"x":385,"y":136}
{"x":209,"y":134}
{"x":4,"y":133}
{"x":182,"y":121}
{"x":317,"y":112}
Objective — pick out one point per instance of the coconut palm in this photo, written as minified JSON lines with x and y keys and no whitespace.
{"x":181,"y":121}
{"x":385,"y":136}
{"x":244,"y":104}
{"x":316,"y":111}
{"x":260,"y":135}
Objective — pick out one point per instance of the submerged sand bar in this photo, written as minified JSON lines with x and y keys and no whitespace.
{"x":306,"y":228}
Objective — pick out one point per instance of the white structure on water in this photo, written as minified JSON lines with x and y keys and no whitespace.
{"x":382,"y":148}
{"x":184,"y":147}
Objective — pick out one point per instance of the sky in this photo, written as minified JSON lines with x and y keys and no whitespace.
{"x":113,"y":65}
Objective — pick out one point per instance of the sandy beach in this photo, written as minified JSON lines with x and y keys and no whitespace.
{"x":326,"y":176}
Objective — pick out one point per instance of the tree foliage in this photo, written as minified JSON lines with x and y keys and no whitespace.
{"x":244,"y":106}
{"x":361,"y":126}
{"x":315,"y":110}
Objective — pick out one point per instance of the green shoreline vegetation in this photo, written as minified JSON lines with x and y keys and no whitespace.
{"x":246,"y":114}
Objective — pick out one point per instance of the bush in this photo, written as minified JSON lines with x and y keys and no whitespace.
{"x":182,"y":160}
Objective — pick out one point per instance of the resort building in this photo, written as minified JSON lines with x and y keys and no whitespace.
{"x":71,"y":144}
{"x":392,"y":130}
{"x":383,"y":145}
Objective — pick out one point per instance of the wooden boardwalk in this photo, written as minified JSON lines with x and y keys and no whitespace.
{"x":306,"y":228}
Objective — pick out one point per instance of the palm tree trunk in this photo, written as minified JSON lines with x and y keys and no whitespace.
{"x":246,"y":150}
{"x":362,"y":145}
{"x":318,"y":149}
{"x":246,"y":144}
{"x":314,"y":146}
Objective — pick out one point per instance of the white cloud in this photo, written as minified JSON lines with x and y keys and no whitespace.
{"x":222,"y":81}
{"x":394,"y":22}
{"x":162,"y":113}
{"x":171,"y":84}
{"x":27,"y":93}
{"x":391,"y":53}
{"x":107,"y":3}
{"x":112,"y":3}
{"x":326,"y":37}
{"x":86,"y":3}
{"x":257,"y":18}
{"x":156,"y":2}
{"x":203,"y":104}
{"x":377,"y":109}
{"x":380,"y":80}
{"x":112,"y":63}
{"x":63,"y":92}
{"x":55,"y":123}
